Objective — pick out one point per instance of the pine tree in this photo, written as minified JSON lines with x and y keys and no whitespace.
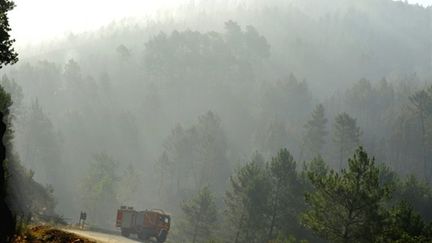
{"x":99,"y":188}
{"x":316,"y":131}
{"x":6,"y":217}
{"x":346,"y":135}
{"x":246,"y":203}
{"x":347,"y":206}
{"x":201,"y":215}
{"x":164,"y":167}
{"x":211,"y":147}
{"x":274,"y":137}
{"x":417,"y":193}
{"x":198,"y":155}
{"x":405,"y":225}
{"x":422,"y":102}
{"x":128,"y":186}
{"x":42,"y":146}
{"x":286,"y":198}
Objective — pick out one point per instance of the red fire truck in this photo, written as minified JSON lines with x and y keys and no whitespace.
{"x":146,"y":224}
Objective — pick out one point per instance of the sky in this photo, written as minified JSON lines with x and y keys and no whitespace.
{"x":36,"y":21}
{"x":421,"y":2}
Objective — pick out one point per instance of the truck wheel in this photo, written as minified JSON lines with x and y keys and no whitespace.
{"x":125,"y":232}
{"x":162,"y":236}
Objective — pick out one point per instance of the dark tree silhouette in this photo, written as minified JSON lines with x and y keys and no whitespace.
{"x":7,"y":56}
{"x":6,"y":219}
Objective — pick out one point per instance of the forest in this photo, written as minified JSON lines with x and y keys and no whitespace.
{"x":248,"y":121}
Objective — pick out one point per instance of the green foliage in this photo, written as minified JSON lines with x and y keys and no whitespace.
{"x":404,"y":224}
{"x":189,"y":56}
{"x":317,"y":167}
{"x":9,"y":164}
{"x":289,"y":239}
{"x":422,"y":104}
{"x":417,"y":194}
{"x":5,"y":100}
{"x":288,"y":99}
{"x":5,"y":105}
{"x":346,"y":135}
{"x":214,"y":241}
{"x":274,"y":137}
{"x":264,"y":201}
{"x":347,"y":206}
{"x":201,"y":216}
{"x":246,"y":203}
{"x":421,"y":100}
{"x":378,"y":215}
{"x":314,"y":138}
{"x":193,"y":157}
{"x":127,"y":187}
{"x":198,"y":68}
{"x":15,"y":91}
{"x":28,"y":198}
{"x":99,"y":189}
{"x":7,"y":52}
{"x":286,"y":199}
{"x":43,"y":146}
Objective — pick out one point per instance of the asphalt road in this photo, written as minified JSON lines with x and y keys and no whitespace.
{"x":102,"y":237}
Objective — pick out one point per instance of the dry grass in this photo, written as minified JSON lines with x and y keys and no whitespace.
{"x":44,"y":233}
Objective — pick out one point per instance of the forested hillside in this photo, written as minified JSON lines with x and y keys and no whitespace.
{"x":246,"y":107}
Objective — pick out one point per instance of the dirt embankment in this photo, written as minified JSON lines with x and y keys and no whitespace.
{"x":39,"y":234}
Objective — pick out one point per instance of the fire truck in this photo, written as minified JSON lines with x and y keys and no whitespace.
{"x":145,"y":224}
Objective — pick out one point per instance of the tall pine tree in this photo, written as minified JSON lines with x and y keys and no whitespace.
{"x":7,"y":56}
{"x":286,"y":200}
{"x":201,"y":216}
{"x":316,"y":131}
{"x":422,"y":103}
{"x":346,"y":136}
{"x":347,"y":206}
{"x":246,"y":203}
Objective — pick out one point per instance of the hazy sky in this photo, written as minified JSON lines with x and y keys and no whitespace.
{"x":422,"y":2}
{"x":35,"y":21}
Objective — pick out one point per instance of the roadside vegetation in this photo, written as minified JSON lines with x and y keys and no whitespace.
{"x":42,"y":234}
